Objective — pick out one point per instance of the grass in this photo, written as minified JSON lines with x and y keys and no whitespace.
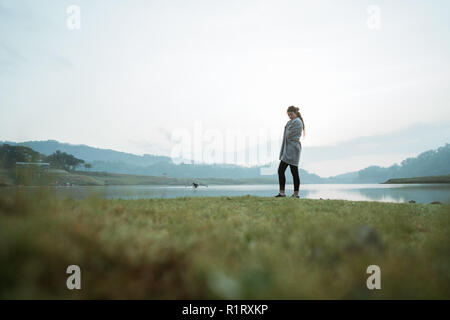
{"x":5,"y":179}
{"x":222,"y":248}
{"x":106,"y":178}
{"x":94,"y":178}
{"x":430,"y":179}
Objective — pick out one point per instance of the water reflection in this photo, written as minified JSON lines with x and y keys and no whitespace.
{"x":421,"y":193}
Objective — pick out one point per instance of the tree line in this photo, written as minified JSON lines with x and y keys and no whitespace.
{"x":9,"y":155}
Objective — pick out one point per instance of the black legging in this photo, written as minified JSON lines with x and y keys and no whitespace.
{"x":282,"y":178}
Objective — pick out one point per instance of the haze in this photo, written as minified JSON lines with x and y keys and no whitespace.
{"x":136,"y":71}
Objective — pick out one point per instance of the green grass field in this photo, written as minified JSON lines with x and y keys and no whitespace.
{"x":222,"y":248}
{"x":5,"y":179}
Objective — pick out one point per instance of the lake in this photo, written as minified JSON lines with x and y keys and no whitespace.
{"x":421,"y":193}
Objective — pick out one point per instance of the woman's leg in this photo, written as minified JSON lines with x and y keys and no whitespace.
{"x":295,"y":176}
{"x":281,"y":177}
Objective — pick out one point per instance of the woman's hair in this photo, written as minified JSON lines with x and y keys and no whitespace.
{"x":297,"y":112}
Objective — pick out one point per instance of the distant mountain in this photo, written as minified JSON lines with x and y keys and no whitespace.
{"x":120,"y":162}
{"x":90,"y":154}
{"x":414,"y":139}
{"x":183,"y":170}
{"x":349,"y":177}
{"x":428,"y":163}
{"x":435,"y":162}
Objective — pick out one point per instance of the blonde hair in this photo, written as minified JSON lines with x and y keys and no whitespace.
{"x":297,"y":112}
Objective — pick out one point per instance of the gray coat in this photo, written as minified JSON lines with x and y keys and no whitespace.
{"x":291,"y":147}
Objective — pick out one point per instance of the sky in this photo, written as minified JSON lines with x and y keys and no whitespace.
{"x":180,"y":77}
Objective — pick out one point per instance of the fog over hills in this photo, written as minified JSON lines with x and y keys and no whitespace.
{"x":382,"y":149}
{"x":428,"y":163}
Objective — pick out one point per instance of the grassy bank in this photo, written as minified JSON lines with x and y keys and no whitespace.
{"x":5,"y":179}
{"x":238,"y":247}
{"x":105,"y":178}
{"x":92,"y":178}
{"x":432,"y":179}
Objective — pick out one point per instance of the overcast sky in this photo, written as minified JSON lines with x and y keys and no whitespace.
{"x":137,"y":72}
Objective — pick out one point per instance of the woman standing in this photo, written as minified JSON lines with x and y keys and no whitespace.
{"x":290,"y":150}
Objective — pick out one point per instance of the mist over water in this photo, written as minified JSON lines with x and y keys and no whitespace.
{"x":421,"y":193}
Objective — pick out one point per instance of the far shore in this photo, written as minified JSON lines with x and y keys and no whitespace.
{"x":56,"y":177}
{"x":432,"y":179}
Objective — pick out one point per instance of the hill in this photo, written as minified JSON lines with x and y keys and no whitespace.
{"x":435,"y":162}
{"x":106,"y":160}
{"x":428,"y":163}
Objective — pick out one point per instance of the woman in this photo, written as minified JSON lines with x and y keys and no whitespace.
{"x":290,"y":150}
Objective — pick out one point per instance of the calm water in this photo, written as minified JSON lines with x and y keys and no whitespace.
{"x":422,"y":193}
